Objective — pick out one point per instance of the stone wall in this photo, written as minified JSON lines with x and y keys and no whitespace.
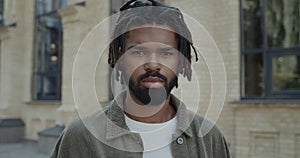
{"x":16,"y":58}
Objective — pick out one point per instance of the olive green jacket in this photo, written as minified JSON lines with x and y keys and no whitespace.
{"x":105,"y":135}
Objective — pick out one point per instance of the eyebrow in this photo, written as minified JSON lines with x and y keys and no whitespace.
{"x":167,"y":48}
{"x":143,"y":48}
{"x":136,"y":47}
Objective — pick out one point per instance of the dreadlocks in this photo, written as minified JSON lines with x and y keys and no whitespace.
{"x":137,"y":13}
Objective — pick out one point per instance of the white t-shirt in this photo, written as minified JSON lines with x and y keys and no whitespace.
{"x":156,"y":137}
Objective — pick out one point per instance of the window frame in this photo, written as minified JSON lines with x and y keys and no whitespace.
{"x":267,"y":54}
{"x":39,"y":71}
{"x":2,"y":9}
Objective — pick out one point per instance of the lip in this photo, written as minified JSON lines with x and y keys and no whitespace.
{"x":152,"y":82}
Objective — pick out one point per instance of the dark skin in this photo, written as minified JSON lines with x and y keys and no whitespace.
{"x":153,"y":49}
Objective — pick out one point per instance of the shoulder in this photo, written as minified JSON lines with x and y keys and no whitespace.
{"x":211,"y":136}
{"x":74,"y":130}
{"x":205,"y":127}
{"x":75,"y":126}
{"x":83,"y":126}
{"x":69,"y":140}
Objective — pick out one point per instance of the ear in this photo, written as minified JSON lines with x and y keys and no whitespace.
{"x":119,"y":64}
{"x":118,"y":76}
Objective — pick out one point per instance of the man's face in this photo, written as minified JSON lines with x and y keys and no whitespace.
{"x":150,"y":63}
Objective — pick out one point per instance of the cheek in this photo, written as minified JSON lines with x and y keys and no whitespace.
{"x":132,"y":72}
{"x":170,"y":72}
{"x":173,"y":67}
{"x":172,"y":75}
{"x":127,"y":67}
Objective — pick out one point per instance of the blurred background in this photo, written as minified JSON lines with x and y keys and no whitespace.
{"x":259,"y":41}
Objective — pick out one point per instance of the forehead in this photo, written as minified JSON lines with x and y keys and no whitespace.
{"x":152,"y":33}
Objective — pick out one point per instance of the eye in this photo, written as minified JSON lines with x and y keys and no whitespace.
{"x":167,"y":53}
{"x":138,"y":52}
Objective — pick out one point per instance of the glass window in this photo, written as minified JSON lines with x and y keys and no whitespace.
{"x":252,"y":25}
{"x":49,"y":6}
{"x":270,"y":35}
{"x":48,"y":51}
{"x":0,"y":64}
{"x":283,"y":23}
{"x":116,"y":5}
{"x":1,"y":13}
{"x":286,"y":72}
{"x":254,"y":75}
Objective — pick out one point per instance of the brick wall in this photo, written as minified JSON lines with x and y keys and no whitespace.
{"x":267,"y":130}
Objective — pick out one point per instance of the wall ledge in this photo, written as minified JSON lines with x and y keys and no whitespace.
{"x":71,"y":13}
{"x":5,"y":30}
{"x":259,"y":103}
{"x":43,"y":102}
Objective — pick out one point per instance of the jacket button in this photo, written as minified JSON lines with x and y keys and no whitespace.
{"x":180,"y":140}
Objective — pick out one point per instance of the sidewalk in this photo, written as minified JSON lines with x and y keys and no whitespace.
{"x":24,"y":149}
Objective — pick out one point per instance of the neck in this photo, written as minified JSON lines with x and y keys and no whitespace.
{"x":149,"y":113}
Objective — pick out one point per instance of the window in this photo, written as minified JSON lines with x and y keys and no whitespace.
{"x":270,"y":43}
{"x":0,"y":66}
{"x":115,"y":5}
{"x":1,"y":13}
{"x":48,"y":51}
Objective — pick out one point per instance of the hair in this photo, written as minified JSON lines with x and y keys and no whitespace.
{"x":152,"y":12}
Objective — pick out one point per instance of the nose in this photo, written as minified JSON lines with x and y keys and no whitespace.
{"x":152,"y":66}
{"x":152,"y":63}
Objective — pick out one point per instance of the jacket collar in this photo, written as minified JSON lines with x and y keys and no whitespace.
{"x":116,"y":126}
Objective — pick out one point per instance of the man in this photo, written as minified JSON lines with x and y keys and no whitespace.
{"x":151,"y":46}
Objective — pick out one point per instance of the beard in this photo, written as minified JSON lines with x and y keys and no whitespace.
{"x":152,"y":96}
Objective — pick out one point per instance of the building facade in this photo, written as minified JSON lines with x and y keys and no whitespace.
{"x":259,"y":41}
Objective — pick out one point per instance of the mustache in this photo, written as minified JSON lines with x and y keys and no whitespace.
{"x":152,"y":74}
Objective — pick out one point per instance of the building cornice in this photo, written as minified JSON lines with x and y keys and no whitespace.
{"x":5,"y":30}
{"x":71,"y":13}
